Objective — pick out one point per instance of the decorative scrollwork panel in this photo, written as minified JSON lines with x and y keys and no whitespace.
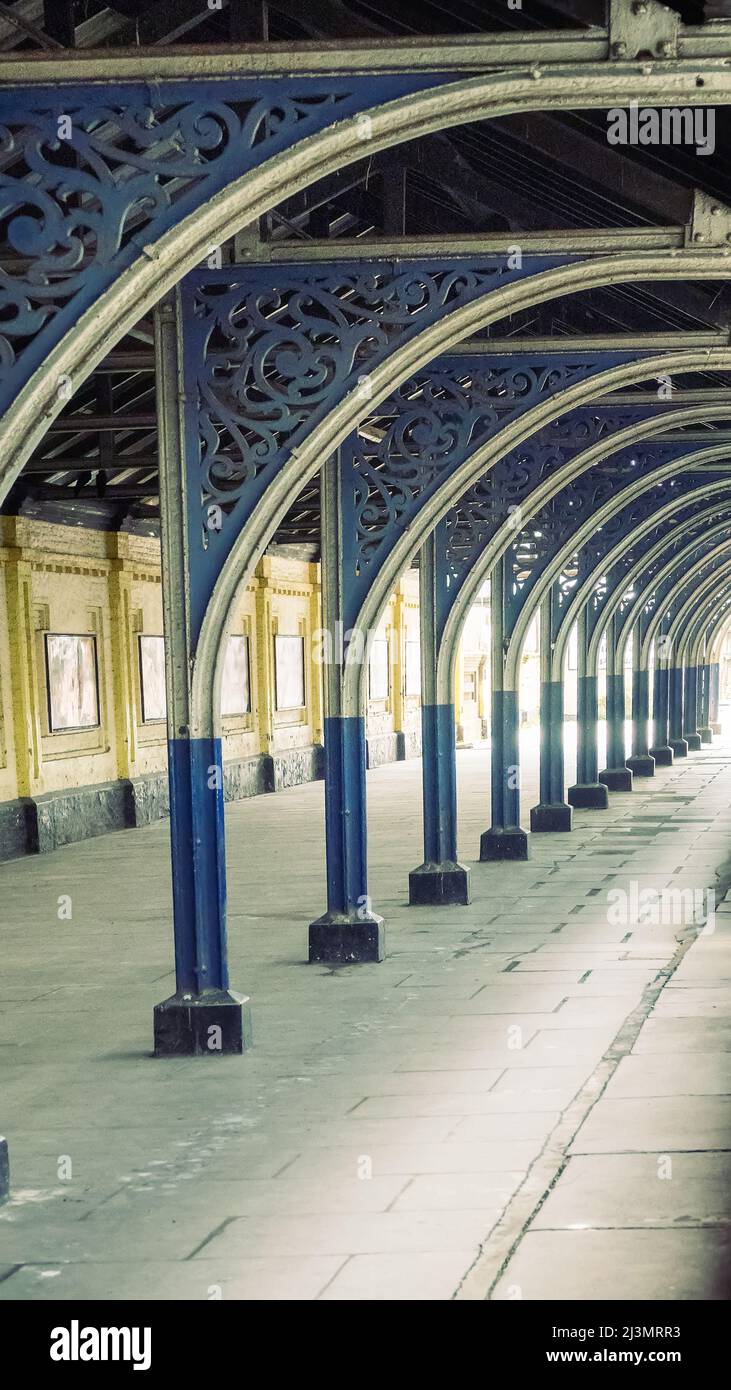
{"x":90,"y":175}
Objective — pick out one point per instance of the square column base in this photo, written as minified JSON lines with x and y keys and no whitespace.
{"x":641,"y":765}
{"x":663,"y":755}
{"x":679,"y":747}
{"x":202,"y":1025}
{"x":337,"y":939}
{"x":551,"y":816}
{"x":499,"y":843}
{"x":716,"y":729}
{"x":588,"y":796}
{"x":437,"y":884}
{"x":693,"y":741}
{"x":706,"y":734}
{"x":618,"y":779}
{"x":4,"y":1171}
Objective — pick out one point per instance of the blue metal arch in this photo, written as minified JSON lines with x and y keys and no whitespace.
{"x":144,"y":156}
{"x":271,"y":354}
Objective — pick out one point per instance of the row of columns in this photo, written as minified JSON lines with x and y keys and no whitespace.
{"x":204,"y":1010}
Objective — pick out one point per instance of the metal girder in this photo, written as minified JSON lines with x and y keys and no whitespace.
{"x":593,"y":342}
{"x":458,"y":54}
{"x":588,"y":242}
{"x":158,"y":271}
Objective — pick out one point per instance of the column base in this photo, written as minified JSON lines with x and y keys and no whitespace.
{"x":618,"y":779}
{"x":706,"y":734}
{"x":551,"y":816}
{"x":202,"y":1025}
{"x":641,"y":765}
{"x":337,"y":939}
{"x":716,"y":728}
{"x":679,"y":747}
{"x":693,"y":741}
{"x":439,"y":884}
{"x":663,"y":755}
{"x":4,"y":1171}
{"x":503,"y":843}
{"x":588,"y":796}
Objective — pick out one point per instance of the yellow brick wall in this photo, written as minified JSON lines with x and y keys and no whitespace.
{"x":73,"y":580}
{"x":399,"y":624}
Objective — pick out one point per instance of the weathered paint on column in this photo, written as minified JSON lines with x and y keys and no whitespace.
{"x":203,"y":1016}
{"x":440,"y":878}
{"x":349,"y":930}
{"x":616,"y":775}
{"x":690,"y":709}
{"x":553,"y":812}
{"x":675,"y":712}
{"x":641,"y":762}
{"x":660,"y":748}
{"x":714,"y":692}
{"x":4,"y":1171}
{"x":588,"y":793}
{"x":505,"y":839}
{"x":704,"y":702}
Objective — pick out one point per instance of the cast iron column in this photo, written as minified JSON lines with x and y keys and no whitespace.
{"x":661,"y":750}
{"x":505,"y":839}
{"x":641,"y":763}
{"x":714,"y":696}
{"x":588,"y":793}
{"x":203,"y":1016}
{"x":616,"y":775}
{"x":552,"y":812}
{"x":690,"y":709}
{"x":675,"y":712}
{"x":440,"y":879}
{"x":704,"y":701}
{"x":349,"y":930}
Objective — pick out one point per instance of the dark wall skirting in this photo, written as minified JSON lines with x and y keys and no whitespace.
{"x":36,"y":825}
{"x":18,"y":833}
{"x":75,"y":814}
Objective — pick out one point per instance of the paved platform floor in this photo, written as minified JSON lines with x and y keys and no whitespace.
{"x":528,"y":1098}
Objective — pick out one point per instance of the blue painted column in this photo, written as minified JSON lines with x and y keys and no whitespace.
{"x":203,"y":1016}
{"x":714,"y":696}
{"x":587,"y":793}
{"x":675,"y":712}
{"x":704,"y":702}
{"x":440,"y":878}
{"x":348,"y":930}
{"x":641,"y":762}
{"x":505,"y":838}
{"x":616,"y":775}
{"x":690,"y":709}
{"x":553,"y":812}
{"x":660,"y":748}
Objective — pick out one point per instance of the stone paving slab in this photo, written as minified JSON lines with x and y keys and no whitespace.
{"x":615,"y":1265}
{"x":639,"y":1190}
{"x":394,"y":1126}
